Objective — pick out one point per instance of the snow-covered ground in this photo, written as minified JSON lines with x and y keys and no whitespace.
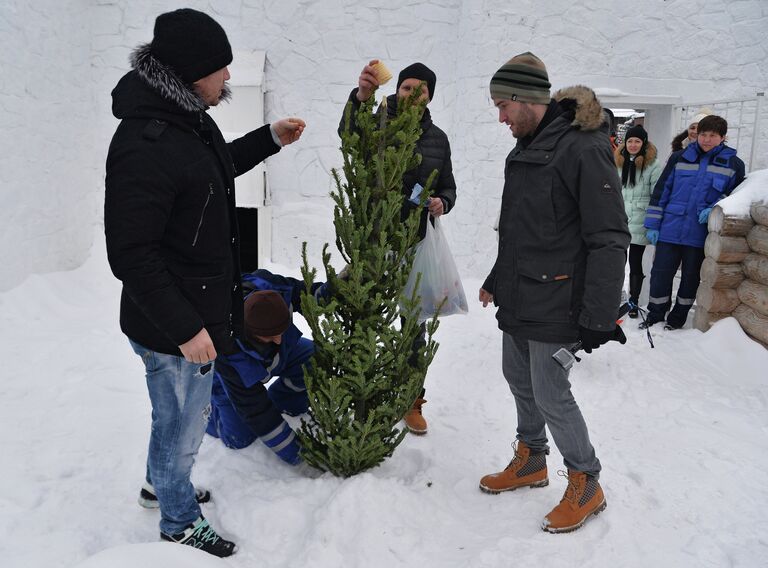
{"x":681,"y":430}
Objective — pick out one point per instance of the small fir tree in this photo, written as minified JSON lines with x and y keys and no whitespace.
{"x":365,"y":375}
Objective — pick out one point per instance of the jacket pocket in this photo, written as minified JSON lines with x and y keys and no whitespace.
{"x":209,"y":295}
{"x":208,"y":198}
{"x":715,"y":191}
{"x":545,"y":291}
{"x":675,"y":209}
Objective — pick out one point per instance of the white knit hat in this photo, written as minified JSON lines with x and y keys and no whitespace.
{"x":703,"y":111}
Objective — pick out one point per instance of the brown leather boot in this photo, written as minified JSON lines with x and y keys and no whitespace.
{"x":583,"y":497}
{"x":414,"y":421}
{"x":525,"y":470}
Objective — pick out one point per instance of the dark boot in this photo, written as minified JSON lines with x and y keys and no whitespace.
{"x":635,"y":286}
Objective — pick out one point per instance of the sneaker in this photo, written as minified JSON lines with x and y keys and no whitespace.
{"x":201,"y":535}
{"x":414,"y":420}
{"x":148,"y":497}
{"x":633,"y":312}
{"x":583,"y":497}
{"x":525,"y":470}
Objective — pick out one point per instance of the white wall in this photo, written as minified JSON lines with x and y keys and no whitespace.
{"x":60,"y":61}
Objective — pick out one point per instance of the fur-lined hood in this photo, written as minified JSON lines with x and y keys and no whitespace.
{"x":153,"y":88}
{"x":641,"y":161}
{"x":582,"y":100}
{"x":164,"y":80}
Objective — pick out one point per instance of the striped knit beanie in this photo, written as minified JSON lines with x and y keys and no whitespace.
{"x":523,"y":78}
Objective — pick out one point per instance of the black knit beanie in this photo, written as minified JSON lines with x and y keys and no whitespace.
{"x":637,"y":131}
{"x":266,"y":315}
{"x":192,"y":43}
{"x":422,"y":73}
{"x":628,"y":170}
{"x":523,"y":78}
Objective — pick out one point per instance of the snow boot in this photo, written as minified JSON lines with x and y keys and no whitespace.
{"x":635,"y":286}
{"x":201,"y":535}
{"x":648,"y":323}
{"x":583,"y":497}
{"x":414,"y":420}
{"x":148,"y":497}
{"x":525,"y":470}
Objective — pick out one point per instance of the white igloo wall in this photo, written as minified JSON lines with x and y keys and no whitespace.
{"x":60,"y":61}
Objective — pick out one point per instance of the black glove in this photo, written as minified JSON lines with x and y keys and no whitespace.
{"x":592,"y":338}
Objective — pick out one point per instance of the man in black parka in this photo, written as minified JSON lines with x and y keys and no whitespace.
{"x":558,"y":275}
{"x":172,"y":240}
{"x":435,"y":151}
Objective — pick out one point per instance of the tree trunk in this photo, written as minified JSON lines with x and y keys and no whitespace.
{"x":720,"y":300}
{"x":728,"y":225}
{"x":755,"y":267}
{"x":759,"y":213}
{"x":721,"y":275}
{"x":754,"y":323}
{"x":703,"y":320}
{"x":755,"y":295}
{"x":726,"y":249}
{"x":758,"y":239}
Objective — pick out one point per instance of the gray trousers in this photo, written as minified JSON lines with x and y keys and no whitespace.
{"x":543,"y":397}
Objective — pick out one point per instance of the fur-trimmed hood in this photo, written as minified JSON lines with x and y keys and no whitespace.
{"x":641,"y":161}
{"x":164,"y":80}
{"x":582,"y":100}
{"x":153,"y":89}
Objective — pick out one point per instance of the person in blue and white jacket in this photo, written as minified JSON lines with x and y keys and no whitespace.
{"x":242,"y":407}
{"x":692,"y":182}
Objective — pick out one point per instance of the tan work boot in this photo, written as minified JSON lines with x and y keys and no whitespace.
{"x":583,"y":497}
{"x":525,"y":470}
{"x":414,"y":421}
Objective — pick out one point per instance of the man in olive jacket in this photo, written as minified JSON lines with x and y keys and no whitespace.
{"x":558,"y":275}
{"x":172,"y":240}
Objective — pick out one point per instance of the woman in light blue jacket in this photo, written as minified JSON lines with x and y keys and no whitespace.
{"x":639,"y":169}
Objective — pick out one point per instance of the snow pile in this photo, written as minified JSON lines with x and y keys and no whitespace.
{"x":152,"y":555}
{"x":680,"y":430}
{"x":754,"y":189}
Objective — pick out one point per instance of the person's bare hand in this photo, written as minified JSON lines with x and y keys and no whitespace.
{"x":288,"y":130}
{"x":436,"y":206}
{"x":485,"y":297}
{"x":368,"y":82}
{"x":199,"y":349}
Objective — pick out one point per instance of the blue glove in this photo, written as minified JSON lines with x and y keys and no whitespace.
{"x":704,"y":215}
{"x":652,"y":235}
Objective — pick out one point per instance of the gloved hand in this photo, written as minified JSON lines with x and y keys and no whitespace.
{"x":592,"y":338}
{"x":704,"y":215}
{"x":652,"y":235}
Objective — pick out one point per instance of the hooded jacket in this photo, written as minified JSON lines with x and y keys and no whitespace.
{"x":435,"y":153}
{"x":563,"y":232}
{"x":169,"y":211}
{"x":636,"y":197}
{"x":693,"y":180}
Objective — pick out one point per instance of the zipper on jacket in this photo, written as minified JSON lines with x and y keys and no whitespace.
{"x":202,"y":215}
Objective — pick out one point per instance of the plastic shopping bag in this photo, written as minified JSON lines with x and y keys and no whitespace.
{"x":440,"y":279}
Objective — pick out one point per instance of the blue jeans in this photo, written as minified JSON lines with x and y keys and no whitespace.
{"x":180,"y":393}
{"x":543,"y":398}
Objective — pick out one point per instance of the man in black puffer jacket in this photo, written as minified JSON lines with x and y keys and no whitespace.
{"x":172,"y":240}
{"x":435,"y":155}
